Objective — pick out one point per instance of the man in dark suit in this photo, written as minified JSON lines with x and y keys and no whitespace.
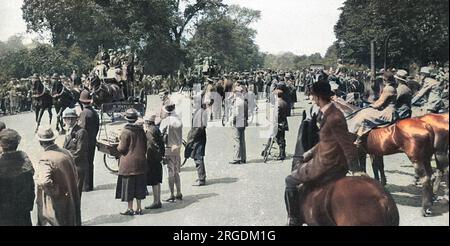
{"x":332,"y":157}
{"x":76,"y":143}
{"x":281,"y":113}
{"x":89,"y":120}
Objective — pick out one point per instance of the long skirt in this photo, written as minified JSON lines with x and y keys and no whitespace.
{"x":154,"y":173}
{"x":130,"y":187}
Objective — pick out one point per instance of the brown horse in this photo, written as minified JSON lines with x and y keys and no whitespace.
{"x":350,"y":201}
{"x":411,"y":136}
{"x":342,"y":200}
{"x":439,"y":123}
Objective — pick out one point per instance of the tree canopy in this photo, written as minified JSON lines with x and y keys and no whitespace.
{"x":410,"y":31}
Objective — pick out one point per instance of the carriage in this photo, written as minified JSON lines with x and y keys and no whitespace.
{"x":108,"y":137}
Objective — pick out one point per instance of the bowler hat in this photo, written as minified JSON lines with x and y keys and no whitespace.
{"x":45,"y":134}
{"x":70,"y":113}
{"x":131,"y":114}
{"x":85,"y":97}
{"x":322,"y":88}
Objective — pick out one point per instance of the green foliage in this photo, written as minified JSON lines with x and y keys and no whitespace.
{"x":290,"y":61}
{"x":18,"y":61}
{"x":413,"y":31}
{"x":226,"y":36}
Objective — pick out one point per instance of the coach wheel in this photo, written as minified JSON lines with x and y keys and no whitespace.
{"x":111,"y":163}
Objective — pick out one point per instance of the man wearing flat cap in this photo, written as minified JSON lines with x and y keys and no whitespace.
{"x":57,"y":199}
{"x":16,"y":181}
{"x":332,"y":157}
{"x":76,"y":142}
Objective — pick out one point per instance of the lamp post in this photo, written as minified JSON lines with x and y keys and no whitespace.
{"x":386,"y":42}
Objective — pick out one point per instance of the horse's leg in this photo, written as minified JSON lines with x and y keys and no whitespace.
{"x":362,"y":159}
{"x":61,"y":122}
{"x":423,"y":170}
{"x":36,"y":112}
{"x":380,"y":164}
{"x":57,"y":109}
{"x":375,"y":167}
{"x":40,"y":113}
{"x":50,"y":114}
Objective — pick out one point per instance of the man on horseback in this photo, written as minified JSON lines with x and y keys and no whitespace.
{"x":429,"y":95}
{"x":330,"y":159}
{"x":381,"y":112}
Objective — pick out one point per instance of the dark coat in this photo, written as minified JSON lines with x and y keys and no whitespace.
{"x":334,"y":150}
{"x":76,"y":142}
{"x":16,"y":189}
{"x":196,"y":141}
{"x":57,"y":199}
{"x":155,"y":144}
{"x":283,"y":112}
{"x":133,"y":147}
{"x":90,"y":121}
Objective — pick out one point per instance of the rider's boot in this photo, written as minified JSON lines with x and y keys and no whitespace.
{"x":291,"y":198}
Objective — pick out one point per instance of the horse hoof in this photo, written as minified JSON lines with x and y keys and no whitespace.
{"x":426,"y":212}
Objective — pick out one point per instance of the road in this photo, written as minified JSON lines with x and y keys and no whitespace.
{"x":247,"y":194}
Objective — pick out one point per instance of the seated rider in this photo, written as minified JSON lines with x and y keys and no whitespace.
{"x":331,"y":158}
{"x":381,"y":112}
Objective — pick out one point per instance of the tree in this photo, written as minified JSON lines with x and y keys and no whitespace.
{"x":226,"y":36}
{"x":404,"y":31}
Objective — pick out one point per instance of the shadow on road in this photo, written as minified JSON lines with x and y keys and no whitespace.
{"x":399,"y":172}
{"x":413,"y":198}
{"x":105,"y":187}
{"x":108,"y":219}
{"x":187,"y":200}
{"x":227,"y":180}
{"x":188,"y":169}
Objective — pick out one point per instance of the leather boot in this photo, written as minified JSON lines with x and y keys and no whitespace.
{"x":282,"y":155}
{"x":292,"y":207}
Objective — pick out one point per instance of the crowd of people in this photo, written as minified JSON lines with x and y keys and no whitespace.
{"x":146,"y":144}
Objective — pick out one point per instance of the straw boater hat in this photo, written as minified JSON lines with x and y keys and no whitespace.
{"x":45,"y":134}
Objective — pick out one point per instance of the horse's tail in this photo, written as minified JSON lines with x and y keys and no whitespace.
{"x":392,"y":217}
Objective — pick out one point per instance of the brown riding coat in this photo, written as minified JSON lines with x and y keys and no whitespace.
{"x":335,"y":150}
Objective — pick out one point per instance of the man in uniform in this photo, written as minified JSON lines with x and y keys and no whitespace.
{"x":281,"y":112}
{"x":89,"y":120}
{"x":332,"y":157}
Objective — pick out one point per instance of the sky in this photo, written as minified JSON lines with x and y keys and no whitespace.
{"x":303,"y":27}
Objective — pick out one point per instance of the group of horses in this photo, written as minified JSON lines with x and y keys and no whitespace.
{"x":419,"y":138}
{"x":61,"y":97}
